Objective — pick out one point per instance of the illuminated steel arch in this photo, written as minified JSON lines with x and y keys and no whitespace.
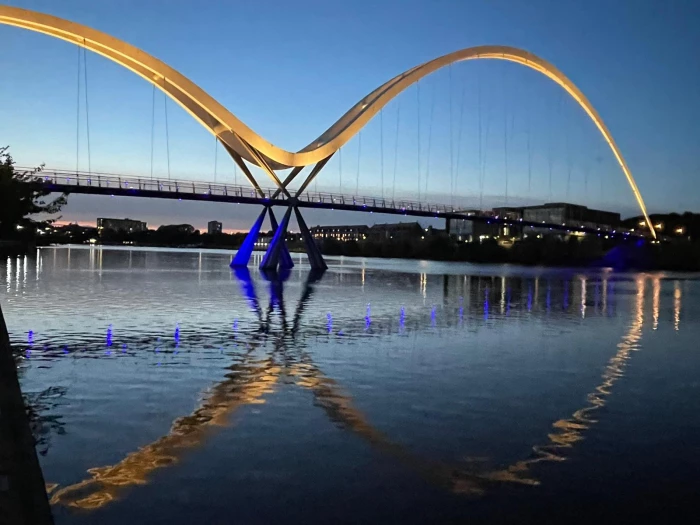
{"x":242,"y":142}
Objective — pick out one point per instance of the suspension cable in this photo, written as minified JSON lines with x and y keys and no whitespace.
{"x":153,"y":125}
{"x":569,"y":161}
{"x":359,"y":151}
{"x":77,"y":122}
{"x":558,"y":117}
{"x":485,"y":156}
{"x":459,"y":137}
{"x":396,"y":148}
{"x":216,"y":154}
{"x":167,"y":133}
{"x":599,"y":161}
{"x":586,"y":173}
{"x":505,"y":127}
{"x":381,"y":147}
{"x":419,"y":137}
{"x":87,"y":107}
{"x":481,"y":155}
{"x":587,"y":164}
{"x":449,"y":91}
{"x":340,"y":169}
{"x":529,"y":148}
{"x":549,"y":162}
{"x":430,"y":139}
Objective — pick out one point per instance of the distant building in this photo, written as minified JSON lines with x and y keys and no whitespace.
{"x":468,"y":230}
{"x":551,"y":213}
{"x":214,"y":227}
{"x":341,"y":233}
{"x":404,"y":231}
{"x":476,"y":231}
{"x":508,"y":212}
{"x":397,"y":231}
{"x":667,"y":225}
{"x":571,"y":215}
{"x":176,"y":228}
{"x":120,"y":225}
{"x":73,"y":228}
{"x":69,"y":232}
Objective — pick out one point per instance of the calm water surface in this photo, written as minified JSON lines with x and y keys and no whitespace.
{"x":167,"y":389}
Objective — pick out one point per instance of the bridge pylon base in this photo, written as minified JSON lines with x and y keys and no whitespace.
{"x":277,"y":255}
{"x":314,"y":254}
{"x":273,"y":255}
{"x":242,"y":257}
{"x":285,"y":262}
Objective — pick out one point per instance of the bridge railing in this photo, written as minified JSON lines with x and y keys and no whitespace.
{"x":377,"y":202}
{"x":63,"y":178}
{"x":125,"y":182}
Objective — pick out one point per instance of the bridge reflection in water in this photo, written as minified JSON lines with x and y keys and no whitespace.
{"x":251,"y":377}
{"x":569,"y":431}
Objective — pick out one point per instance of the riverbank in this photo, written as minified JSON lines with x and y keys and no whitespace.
{"x":586,"y":252}
{"x":22,"y":489}
{"x":595,"y":252}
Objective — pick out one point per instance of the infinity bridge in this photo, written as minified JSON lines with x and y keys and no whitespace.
{"x":120,"y":185}
{"x":245,"y":146}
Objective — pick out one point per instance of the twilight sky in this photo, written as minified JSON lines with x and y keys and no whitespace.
{"x":290,"y":69}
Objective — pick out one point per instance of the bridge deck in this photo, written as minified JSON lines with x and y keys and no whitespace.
{"x":126,"y":186}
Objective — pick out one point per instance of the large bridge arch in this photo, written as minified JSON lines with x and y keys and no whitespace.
{"x":246,"y":143}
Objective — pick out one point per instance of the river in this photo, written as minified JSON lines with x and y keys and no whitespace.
{"x":165,"y":388}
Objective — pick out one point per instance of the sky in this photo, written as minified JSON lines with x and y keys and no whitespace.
{"x":475,"y":133}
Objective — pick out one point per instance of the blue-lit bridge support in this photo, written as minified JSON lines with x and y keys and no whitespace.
{"x":285,"y":260}
{"x":315,"y":258}
{"x":277,"y":255}
{"x":242,"y":257}
{"x":281,"y":257}
{"x":273,"y":255}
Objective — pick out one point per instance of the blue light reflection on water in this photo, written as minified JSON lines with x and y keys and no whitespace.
{"x":482,"y":368}
{"x":30,"y":344}
{"x":486,"y":304}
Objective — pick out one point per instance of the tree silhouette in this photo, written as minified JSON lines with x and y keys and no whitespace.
{"x":21,"y":195}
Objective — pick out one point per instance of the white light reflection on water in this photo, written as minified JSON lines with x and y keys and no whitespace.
{"x":677,"y":294}
{"x":436,"y":376}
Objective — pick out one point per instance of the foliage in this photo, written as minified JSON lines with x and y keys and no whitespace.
{"x":21,"y":195}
